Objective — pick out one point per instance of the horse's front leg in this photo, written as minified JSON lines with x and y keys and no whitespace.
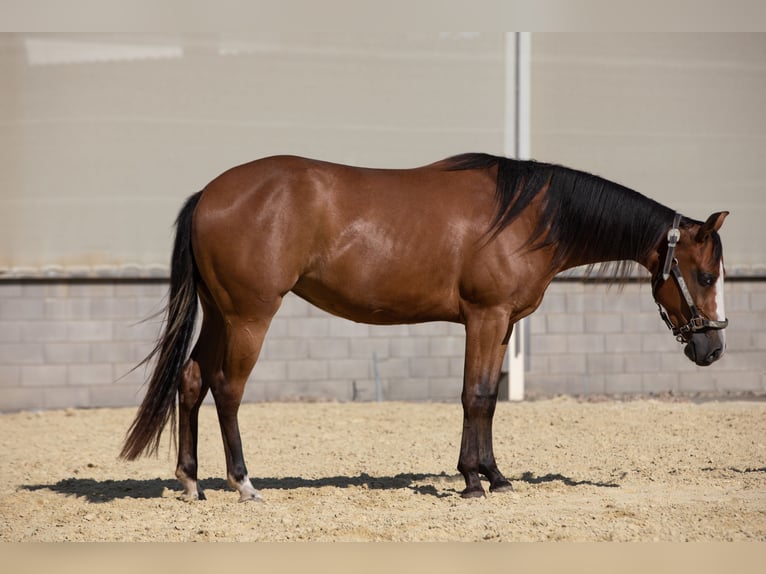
{"x":487,"y":332}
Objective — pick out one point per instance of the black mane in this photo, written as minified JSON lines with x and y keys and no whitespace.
{"x":585,"y":216}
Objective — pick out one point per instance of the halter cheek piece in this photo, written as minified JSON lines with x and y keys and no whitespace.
{"x":670,"y":267}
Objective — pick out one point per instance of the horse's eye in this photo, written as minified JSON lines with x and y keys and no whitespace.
{"x":706,"y":279}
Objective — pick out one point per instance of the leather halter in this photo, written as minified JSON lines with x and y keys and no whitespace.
{"x":670,"y":267}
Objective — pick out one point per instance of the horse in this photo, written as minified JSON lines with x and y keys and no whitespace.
{"x":473,"y":239}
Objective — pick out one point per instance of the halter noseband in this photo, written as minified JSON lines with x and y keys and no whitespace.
{"x":670,"y":267}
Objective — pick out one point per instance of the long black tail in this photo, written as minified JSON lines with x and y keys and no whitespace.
{"x":172,"y":349}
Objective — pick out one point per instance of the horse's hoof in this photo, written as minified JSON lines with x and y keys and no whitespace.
{"x":253,"y":496}
{"x":473,"y":492}
{"x":192,"y":496}
{"x":504,"y":486}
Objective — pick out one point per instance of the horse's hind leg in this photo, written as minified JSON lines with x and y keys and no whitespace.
{"x":190,"y":395}
{"x":195,"y":381}
{"x":242,"y":346}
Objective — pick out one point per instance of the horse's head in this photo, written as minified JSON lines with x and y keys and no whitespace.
{"x":688,"y":287}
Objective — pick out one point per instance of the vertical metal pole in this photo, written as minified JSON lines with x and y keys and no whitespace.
{"x":517,"y":143}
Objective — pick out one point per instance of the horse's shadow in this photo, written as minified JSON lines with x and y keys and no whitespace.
{"x":99,"y":491}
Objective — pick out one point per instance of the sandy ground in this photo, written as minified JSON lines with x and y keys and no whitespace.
{"x":634,"y":471}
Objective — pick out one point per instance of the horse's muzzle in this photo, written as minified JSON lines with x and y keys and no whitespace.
{"x":705,"y":348}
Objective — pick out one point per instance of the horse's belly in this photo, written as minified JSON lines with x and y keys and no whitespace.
{"x":387,"y":303}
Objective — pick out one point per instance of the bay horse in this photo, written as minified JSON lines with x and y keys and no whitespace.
{"x":474,"y":239}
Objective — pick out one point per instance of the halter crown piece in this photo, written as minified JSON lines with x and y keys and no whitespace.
{"x":670,"y":267}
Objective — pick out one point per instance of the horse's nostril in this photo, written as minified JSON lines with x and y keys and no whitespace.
{"x":714,"y":356}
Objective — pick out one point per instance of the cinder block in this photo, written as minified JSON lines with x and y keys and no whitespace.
{"x":446,"y":346}
{"x":350,"y":369}
{"x":409,"y":346}
{"x":286,"y":349}
{"x":67,"y":308}
{"x":365,"y":347}
{"x":43,"y":375}
{"x":407,"y":390}
{"x":697,"y":381}
{"x":131,"y":374}
{"x":21,"y":353}
{"x":739,"y":381}
{"x":10,"y":331}
{"x":269,"y":371}
{"x":329,"y":348}
{"x":307,"y":370}
{"x":92,"y":374}
{"x":430,"y":329}
{"x":457,"y":367}
{"x":605,"y":363}
{"x":79,"y":331}
{"x":623,"y":383}
{"x":676,"y":362}
{"x":115,"y":308}
{"x":394,"y":368}
{"x":737,"y":301}
{"x":445,"y":389}
{"x":33,"y":331}
{"x":603,"y":323}
{"x":644,"y":323}
{"x":308,"y":327}
{"x":554,"y":302}
{"x":641,"y":362}
{"x":344,"y":328}
{"x":547,"y":344}
{"x":585,"y":343}
{"x":586,"y":303}
{"x":390,"y":331}
{"x":546,"y":384}
{"x":21,"y":399}
{"x":427,"y":367}
{"x":10,"y":376}
{"x":364,"y":390}
{"x":742,"y":361}
{"x":623,"y":342}
{"x":117,"y":330}
{"x":567,"y":363}
{"x":65,"y":353}
{"x":564,"y":323}
{"x":625,"y":302}
{"x":658,"y":342}
{"x":590,"y":384}
{"x":538,"y":323}
{"x":112,"y":352}
{"x":757,"y":301}
{"x":22,"y":309}
{"x":149,"y":306}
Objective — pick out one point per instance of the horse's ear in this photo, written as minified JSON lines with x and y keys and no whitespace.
{"x":713,"y":223}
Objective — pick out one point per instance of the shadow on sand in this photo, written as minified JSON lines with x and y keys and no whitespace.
{"x":98,"y":491}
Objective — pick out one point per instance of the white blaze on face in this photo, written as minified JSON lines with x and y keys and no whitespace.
{"x":719,"y":308}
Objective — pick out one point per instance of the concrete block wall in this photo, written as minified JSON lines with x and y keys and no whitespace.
{"x":73,"y":344}
{"x":587,"y":338}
